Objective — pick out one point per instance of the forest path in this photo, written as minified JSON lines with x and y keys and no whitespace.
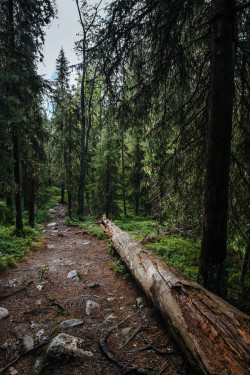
{"x":39,"y":295}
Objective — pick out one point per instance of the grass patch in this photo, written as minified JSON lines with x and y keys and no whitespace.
{"x":119,"y":266}
{"x":14,"y":248}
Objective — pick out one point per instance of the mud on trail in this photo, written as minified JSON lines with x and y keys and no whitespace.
{"x":41,"y":292}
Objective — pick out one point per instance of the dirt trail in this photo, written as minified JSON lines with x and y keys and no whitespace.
{"x":51,"y":297}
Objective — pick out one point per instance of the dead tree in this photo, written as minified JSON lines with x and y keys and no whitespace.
{"x":214,"y":335}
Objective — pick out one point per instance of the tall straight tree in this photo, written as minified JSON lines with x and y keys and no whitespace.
{"x":212,"y":270}
{"x":60,"y":98}
{"x":87,"y":25}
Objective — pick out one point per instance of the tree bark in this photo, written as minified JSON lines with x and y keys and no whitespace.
{"x":9,"y":196}
{"x":62,"y":195}
{"x":17,"y":176}
{"x":213,"y":334}
{"x":83,"y":150}
{"x":32,"y":200}
{"x":25,"y":184}
{"x":245,"y":261}
{"x":123,"y":177}
{"x":137,"y":176}
{"x":212,"y":270}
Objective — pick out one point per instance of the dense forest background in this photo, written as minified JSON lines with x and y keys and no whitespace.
{"x":154,"y":134}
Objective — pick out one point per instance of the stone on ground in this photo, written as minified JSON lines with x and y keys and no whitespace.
{"x":3,"y":313}
{"x":71,"y":323}
{"x":92,"y":307}
{"x":66,"y":346}
{"x":28,"y":343}
{"x":52,"y":224}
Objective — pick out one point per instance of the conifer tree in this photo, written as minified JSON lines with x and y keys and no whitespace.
{"x":20,"y":43}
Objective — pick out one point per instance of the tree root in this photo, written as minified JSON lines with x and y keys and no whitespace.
{"x":132,"y":337}
{"x":109,"y":353}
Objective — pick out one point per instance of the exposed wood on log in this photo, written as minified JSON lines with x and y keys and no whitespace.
{"x":214,"y":335}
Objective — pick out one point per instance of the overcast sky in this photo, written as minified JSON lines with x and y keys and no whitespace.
{"x":62,"y":32}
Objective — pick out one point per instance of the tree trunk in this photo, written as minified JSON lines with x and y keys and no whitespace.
{"x":62,"y":194}
{"x":137,"y":176}
{"x":212,"y":271}
{"x":107,"y":189}
{"x":123,"y":178}
{"x":245,"y":261}
{"x":9,"y":196}
{"x":17,"y":176}
{"x":83,"y":156}
{"x":69,"y":168}
{"x":25,"y":184}
{"x":32,"y":200}
{"x":213,"y":334}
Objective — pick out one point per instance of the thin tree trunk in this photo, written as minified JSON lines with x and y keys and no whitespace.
{"x":83,"y":158}
{"x":70,"y":169}
{"x":62,"y":194}
{"x":245,"y":261}
{"x":17,"y":176}
{"x":123,"y":178}
{"x":9,"y":196}
{"x":32,"y":200}
{"x":137,"y":175}
{"x":212,"y":270}
{"x":26,"y":185}
{"x":212,"y":334}
{"x":107,"y":189}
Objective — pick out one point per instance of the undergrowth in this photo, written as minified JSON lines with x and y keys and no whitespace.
{"x":14,"y":248}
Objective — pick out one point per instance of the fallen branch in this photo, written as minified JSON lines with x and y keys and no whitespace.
{"x":17,"y":291}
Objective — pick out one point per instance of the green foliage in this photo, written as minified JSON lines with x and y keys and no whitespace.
{"x":119,"y":266}
{"x":137,"y":226}
{"x":178,"y":252}
{"x":89,"y":226}
{"x":14,"y":248}
{"x":4,"y":212}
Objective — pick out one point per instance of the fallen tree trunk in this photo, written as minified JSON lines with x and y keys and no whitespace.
{"x":214,"y":335}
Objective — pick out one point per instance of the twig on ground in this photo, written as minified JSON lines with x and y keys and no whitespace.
{"x":165,"y":367}
{"x":150,"y":346}
{"x":17,"y":291}
{"x":131,"y":337}
{"x":23,"y":355}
